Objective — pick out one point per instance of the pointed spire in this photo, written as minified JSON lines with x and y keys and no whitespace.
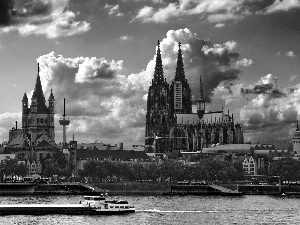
{"x":179,"y":68}
{"x":39,"y":95}
{"x":51,"y":97}
{"x":25,"y":98}
{"x":200,"y":89}
{"x":158,"y":73}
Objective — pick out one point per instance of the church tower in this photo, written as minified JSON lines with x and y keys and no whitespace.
{"x":181,"y":97}
{"x":200,"y":102}
{"x":38,"y":119}
{"x":158,"y":109}
{"x":296,"y":141}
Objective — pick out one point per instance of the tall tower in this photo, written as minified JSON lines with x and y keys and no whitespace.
{"x":181,"y":97}
{"x":64,"y":122}
{"x":200,"y":101}
{"x":24,"y":110}
{"x":158,"y":108}
{"x":296,"y":141}
{"x":51,"y":101}
{"x":37,"y":120}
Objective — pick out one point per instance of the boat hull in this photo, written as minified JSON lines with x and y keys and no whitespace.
{"x":58,"y":209}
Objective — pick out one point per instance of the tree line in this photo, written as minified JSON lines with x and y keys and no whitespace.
{"x":170,"y":170}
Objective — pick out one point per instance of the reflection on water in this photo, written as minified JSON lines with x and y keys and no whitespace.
{"x":253,"y":209}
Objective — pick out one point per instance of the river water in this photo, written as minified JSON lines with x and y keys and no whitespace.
{"x":250,"y":209}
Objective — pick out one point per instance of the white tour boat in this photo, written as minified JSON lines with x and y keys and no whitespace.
{"x":91,"y":205}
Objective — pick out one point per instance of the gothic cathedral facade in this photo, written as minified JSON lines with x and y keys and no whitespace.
{"x":170,"y":122}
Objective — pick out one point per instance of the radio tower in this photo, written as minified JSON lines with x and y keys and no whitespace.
{"x":64,"y":122}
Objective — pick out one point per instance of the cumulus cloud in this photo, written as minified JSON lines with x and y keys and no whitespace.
{"x":266,"y":85}
{"x":51,"y":18}
{"x":290,"y":54}
{"x":214,"y":11}
{"x":100,"y":102}
{"x":271,"y":109}
{"x":113,"y":10}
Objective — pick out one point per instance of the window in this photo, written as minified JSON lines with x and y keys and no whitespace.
{"x":178,"y":95}
{"x":117,"y":207}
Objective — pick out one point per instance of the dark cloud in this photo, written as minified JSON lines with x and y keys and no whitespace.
{"x":215,"y":67}
{"x":275,"y":134}
{"x":6,"y":12}
{"x":26,"y":8}
{"x":264,"y":89}
{"x":16,"y":12}
{"x":254,"y":6}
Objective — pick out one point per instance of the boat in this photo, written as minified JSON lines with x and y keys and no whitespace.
{"x":91,"y":205}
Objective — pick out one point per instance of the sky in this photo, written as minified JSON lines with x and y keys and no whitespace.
{"x":100,"y":55}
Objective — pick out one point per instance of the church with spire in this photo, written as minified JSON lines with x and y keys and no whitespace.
{"x":37,"y":120}
{"x":170,"y":122}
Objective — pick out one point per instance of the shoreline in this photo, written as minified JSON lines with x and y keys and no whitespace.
{"x":151,"y":189}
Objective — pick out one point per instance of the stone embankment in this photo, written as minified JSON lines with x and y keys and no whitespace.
{"x":136,"y":188}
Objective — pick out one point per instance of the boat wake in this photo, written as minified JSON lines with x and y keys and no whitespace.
{"x":176,"y":211}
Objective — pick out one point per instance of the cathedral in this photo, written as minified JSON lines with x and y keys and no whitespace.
{"x":37,"y":121}
{"x":170,"y":122}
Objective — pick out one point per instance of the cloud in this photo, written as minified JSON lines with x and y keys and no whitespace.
{"x":99,"y":101}
{"x":271,"y":109}
{"x":280,"y":5}
{"x":113,"y":10}
{"x":126,"y":38}
{"x":244,"y":62}
{"x":7,"y":122}
{"x":294,"y":77}
{"x":213,"y":11}
{"x":219,"y":25}
{"x":51,"y":18}
{"x":290,"y":54}
{"x":266,"y":85}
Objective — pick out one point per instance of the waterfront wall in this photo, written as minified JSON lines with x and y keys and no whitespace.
{"x":136,"y":188}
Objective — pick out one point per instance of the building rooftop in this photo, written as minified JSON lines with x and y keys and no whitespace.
{"x":117,"y":154}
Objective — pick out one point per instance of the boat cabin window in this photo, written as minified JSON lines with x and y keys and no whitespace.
{"x":93,"y":198}
{"x":122,"y":202}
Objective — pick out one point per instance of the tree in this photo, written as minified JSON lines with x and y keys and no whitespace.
{"x":11,"y":167}
{"x":287,"y":168}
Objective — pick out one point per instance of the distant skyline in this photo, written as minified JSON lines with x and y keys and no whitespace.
{"x":100,"y":56}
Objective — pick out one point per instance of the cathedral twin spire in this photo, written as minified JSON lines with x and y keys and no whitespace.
{"x":158,"y":73}
{"x":179,"y":75}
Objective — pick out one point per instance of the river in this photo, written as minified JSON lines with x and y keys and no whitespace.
{"x":250,"y":209}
